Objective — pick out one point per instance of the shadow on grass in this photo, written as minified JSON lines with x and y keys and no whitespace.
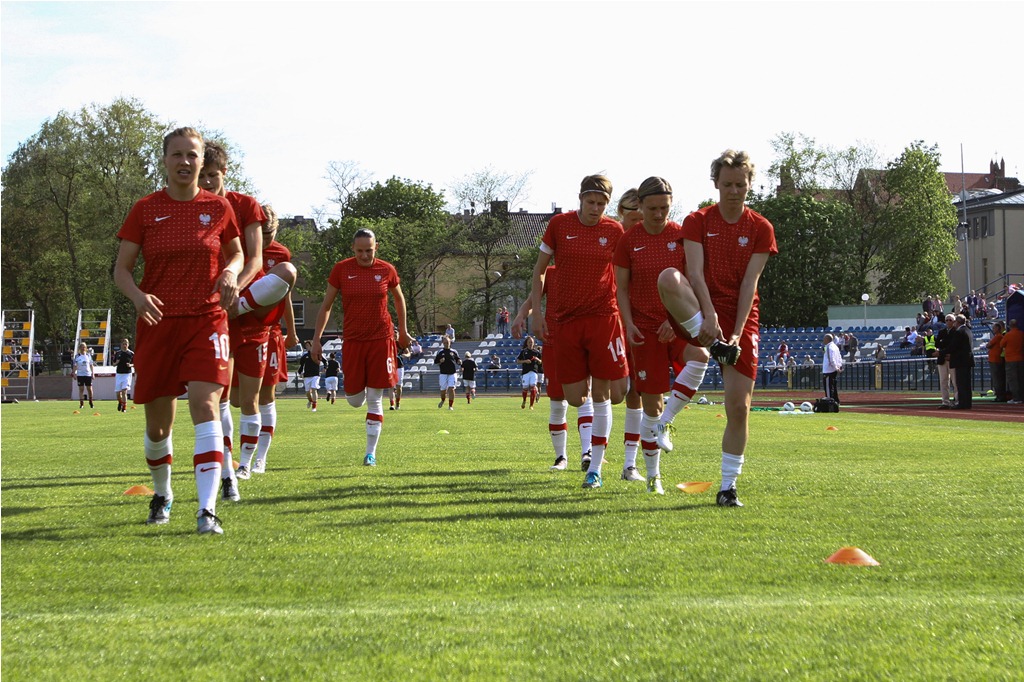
{"x":17,"y":511}
{"x":64,"y":481}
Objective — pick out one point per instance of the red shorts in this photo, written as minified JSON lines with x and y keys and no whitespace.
{"x":368,"y":363}
{"x":649,"y":363}
{"x":178,"y":350}
{"x":591,"y":346}
{"x":277,"y":360}
{"x":547,"y":358}
{"x":750,"y":337}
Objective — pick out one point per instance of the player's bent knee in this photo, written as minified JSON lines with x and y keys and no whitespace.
{"x":286,"y":272}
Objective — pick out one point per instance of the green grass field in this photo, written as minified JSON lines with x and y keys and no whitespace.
{"x":461,"y":556}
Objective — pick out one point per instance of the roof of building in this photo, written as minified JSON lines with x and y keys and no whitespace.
{"x":1011,"y":198}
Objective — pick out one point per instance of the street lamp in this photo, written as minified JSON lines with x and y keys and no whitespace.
{"x":865,"y":297}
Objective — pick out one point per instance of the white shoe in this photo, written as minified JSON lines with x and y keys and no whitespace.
{"x":631,"y":474}
{"x":242,"y":473}
{"x":663,"y":436}
{"x":208,"y":523}
{"x":314,"y":409}
{"x":260,"y":467}
{"x":654,"y":485}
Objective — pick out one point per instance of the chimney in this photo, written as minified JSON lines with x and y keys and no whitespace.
{"x":499,"y":208}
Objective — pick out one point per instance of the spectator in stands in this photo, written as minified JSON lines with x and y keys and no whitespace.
{"x":992,"y":313}
{"x":851,"y":347}
{"x":879,"y":353}
{"x":1013,"y":356}
{"x":768,"y":372}
{"x":981,"y":306}
{"x":947,"y":380}
{"x":783,"y":353}
{"x":918,"y":348}
{"x":808,"y":361}
{"x":996,"y":366}
{"x":415,"y":350}
{"x":37,"y":362}
{"x":927,"y":305}
{"x":503,"y":320}
{"x":931,"y":348}
{"x":937,"y":306}
{"x":909,"y":337}
{"x":495,"y":362}
{"x":791,"y":362}
{"x":450,"y":332}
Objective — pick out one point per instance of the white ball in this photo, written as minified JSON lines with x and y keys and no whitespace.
{"x":787,"y":407}
{"x":806,"y":407}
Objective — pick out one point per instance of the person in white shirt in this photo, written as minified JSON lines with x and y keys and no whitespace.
{"x":831,"y":366}
{"x":84,"y":373}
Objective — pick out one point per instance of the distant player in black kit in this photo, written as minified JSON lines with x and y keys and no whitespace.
{"x":124,"y":358}
{"x":331,"y":371}
{"x":310,"y":370}
{"x":469,"y":376}
{"x":449,"y":361}
{"x":529,"y":361}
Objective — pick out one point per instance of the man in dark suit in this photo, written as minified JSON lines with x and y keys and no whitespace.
{"x":961,"y":360}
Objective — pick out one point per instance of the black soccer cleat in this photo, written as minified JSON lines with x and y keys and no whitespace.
{"x":727,"y":498}
{"x":724,"y":353}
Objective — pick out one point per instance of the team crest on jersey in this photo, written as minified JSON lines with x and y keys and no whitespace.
{"x":603,"y":241}
{"x":377,"y":277}
{"x":743,"y":241}
{"x":642,"y":375}
{"x":205,"y":218}
{"x":271,"y":262}
{"x":672,"y":246}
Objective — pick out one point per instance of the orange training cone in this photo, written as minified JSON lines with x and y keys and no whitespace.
{"x":138,"y":490}
{"x":853,"y":556}
{"x":831,"y":428}
{"x":694,"y":487}
{"x":719,"y":416}
{"x":76,"y":412}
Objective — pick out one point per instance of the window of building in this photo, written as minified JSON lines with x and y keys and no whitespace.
{"x":299,"y":308}
{"x":984,"y":227}
{"x":976,"y":226}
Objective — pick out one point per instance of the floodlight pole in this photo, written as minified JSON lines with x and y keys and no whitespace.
{"x":967,"y":226}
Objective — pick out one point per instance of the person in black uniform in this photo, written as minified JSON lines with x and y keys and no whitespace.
{"x":332,"y":369}
{"x":310,"y":371}
{"x":449,"y":361}
{"x":124,"y":358}
{"x":529,"y":361}
{"x":961,"y":360}
{"x":469,"y":376}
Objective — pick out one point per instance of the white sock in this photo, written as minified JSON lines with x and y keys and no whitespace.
{"x":557,"y":426}
{"x":159,"y":456}
{"x":249,"y":431}
{"x":268,"y":420}
{"x":631,"y":437}
{"x":585,"y":424}
{"x":683,"y":389}
{"x":207,"y":462}
{"x":599,"y":438}
{"x":692,"y":325}
{"x":374,"y":418}
{"x":648,"y":428}
{"x":732,"y":466}
{"x":265,"y":291}
{"x":652,"y":459}
{"x":227,"y":425}
{"x":356,"y":399}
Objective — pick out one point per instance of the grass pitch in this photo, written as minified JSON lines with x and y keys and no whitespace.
{"x":461,"y":556}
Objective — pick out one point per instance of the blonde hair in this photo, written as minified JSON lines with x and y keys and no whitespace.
{"x":732,"y":159}
{"x":596,"y":183}
{"x":183,"y":132}
{"x":271,"y":223}
{"x":653,"y":185}
{"x":628,"y":197}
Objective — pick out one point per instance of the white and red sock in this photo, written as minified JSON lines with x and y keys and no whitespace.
{"x":599,"y":438}
{"x":159,"y":456}
{"x":265,"y":291}
{"x":249,"y":427}
{"x":585,"y":424}
{"x":374,"y":418}
{"x":227,"y":426}
{"x":207,"y":462}
{"x":631,"y":435}
{"x":557,"y":426}
{"x":268,"y":420}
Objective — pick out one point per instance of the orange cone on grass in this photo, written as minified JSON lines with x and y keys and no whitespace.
{"x":138,"y":490}
{"x":694,"y":487}
{"x":852,"y":556}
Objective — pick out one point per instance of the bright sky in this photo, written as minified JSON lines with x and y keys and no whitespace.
{"x":432,"y":91}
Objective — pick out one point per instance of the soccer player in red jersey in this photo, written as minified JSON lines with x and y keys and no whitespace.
{"x":727,"y":246}
{"x":368,"y":337}
{"x":274,"y":254}
{"x":629,"y":214}
{"x":643,"y":253}
{"x":590,"y":341}
{"x":249,"y":333}
{"x":188,"y":239}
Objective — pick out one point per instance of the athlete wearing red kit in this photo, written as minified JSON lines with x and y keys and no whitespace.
{"x":645,"y":256}
{"x":728,"y":248}
{"x":249,"y":333}
{"x":368,"y":345}
{"x":277,"y":360}
{"x":589,"y":334}
{"x":181,"y":245}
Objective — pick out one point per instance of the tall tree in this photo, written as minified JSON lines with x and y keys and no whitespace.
{"x":479,"y":188}
{"x":920,"y":226}
{"x":816,"y":265}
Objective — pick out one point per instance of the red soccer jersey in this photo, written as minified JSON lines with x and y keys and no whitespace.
{"x":645,"y":255}
{"x":364,"y":298}
{"x":727,"y":252}
{"x":247,"y":212}
{"x":275,"y":253}
{"x":550,"y":295}
{"x":181,"y":245}
{"x":583,"y":254}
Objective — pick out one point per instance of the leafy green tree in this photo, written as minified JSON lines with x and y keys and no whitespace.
{"x":920,"y":226}
{"x":816,"y":265}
